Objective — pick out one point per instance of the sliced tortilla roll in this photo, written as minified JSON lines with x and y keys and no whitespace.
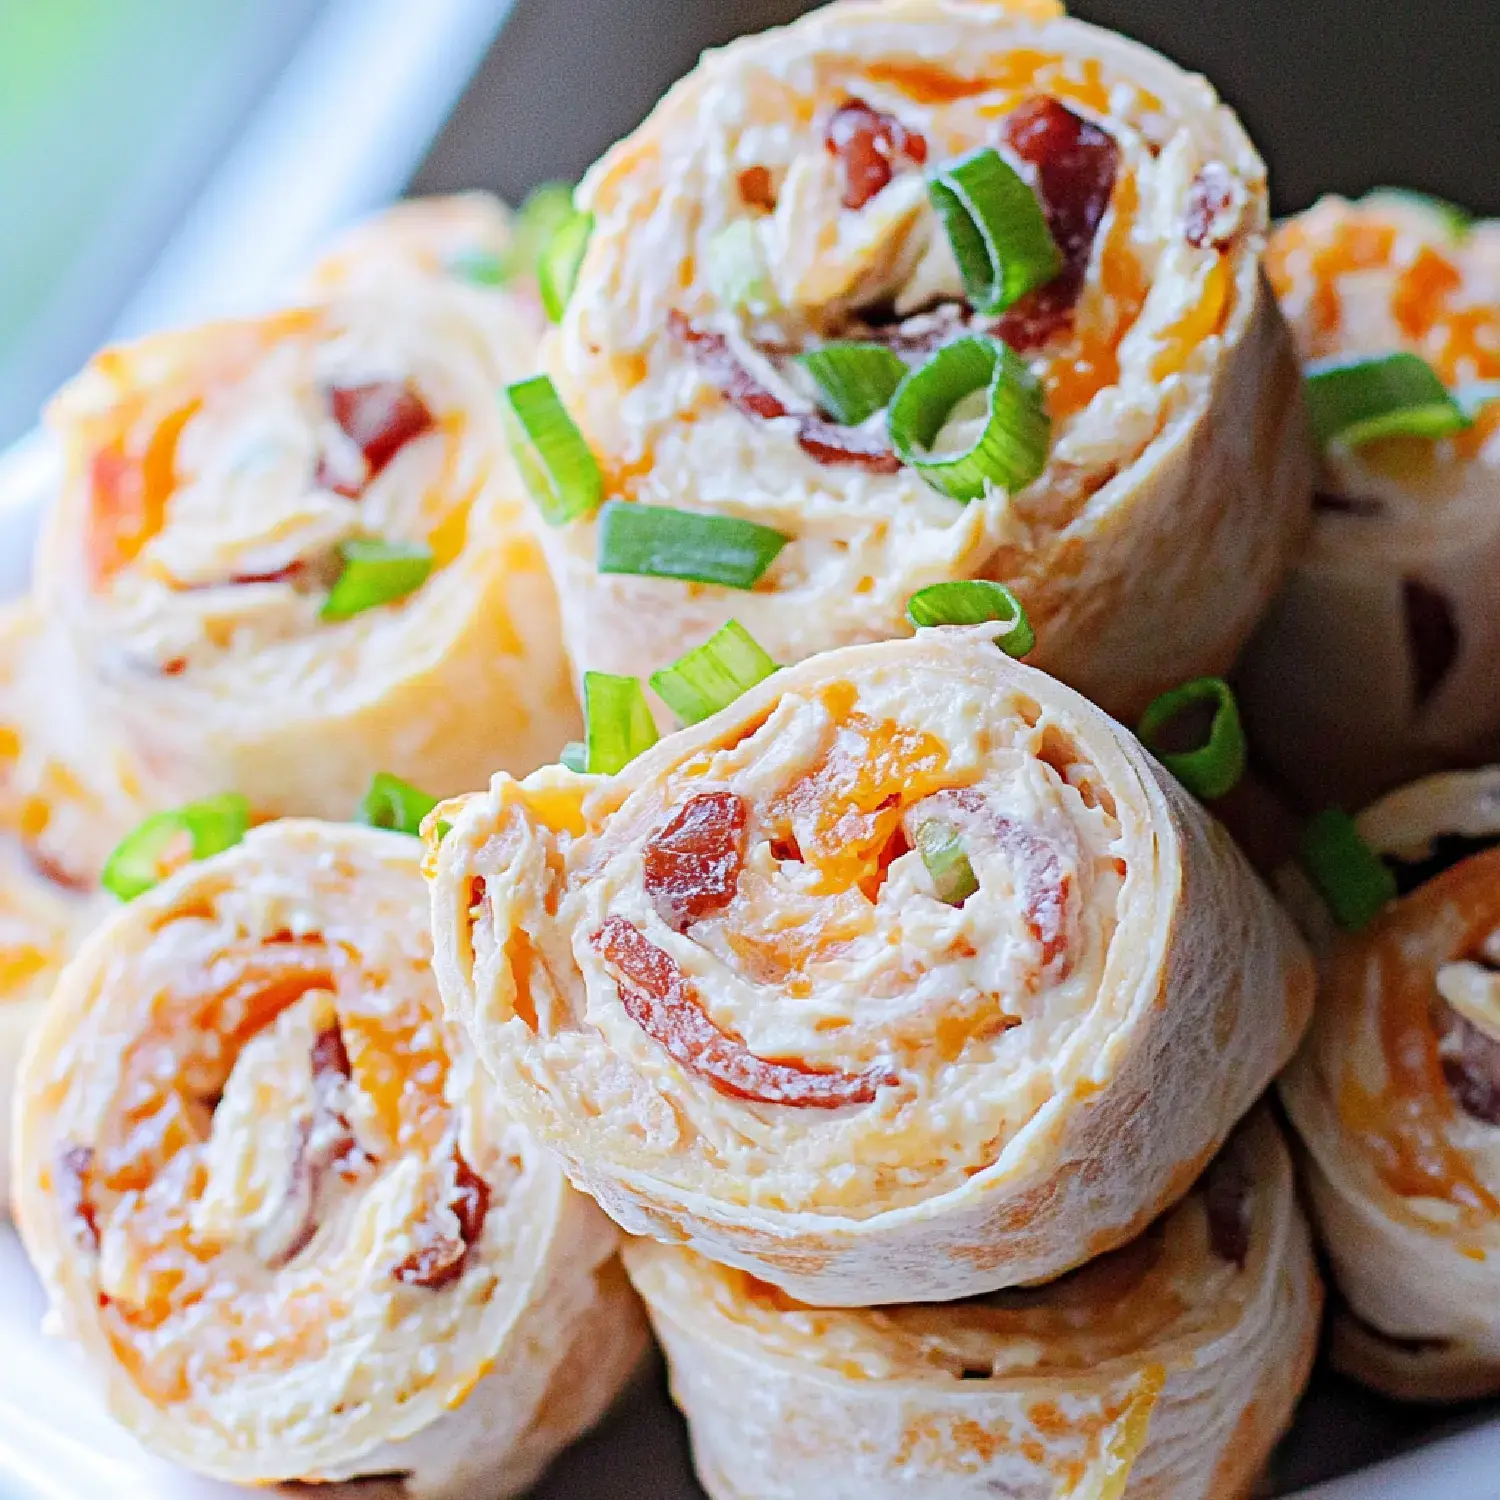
{"x":776,"y":203}
{"x":1379,"y":662}
{"x":66,"y":795}
{"x":289,"y":554}
{"x":269,"y":1200}
{"x":908,"y":975}
{"x":1166,"y":1368}
{"x":1396,"y":1096}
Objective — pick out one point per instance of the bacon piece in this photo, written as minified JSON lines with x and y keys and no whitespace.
{"x":1471,"y":1064}
{"x":693,"y":860}
{"x":831,"y":444}
{"x":1213,"y":200}
{"x":922,"y":333}
{"x":757,"y":189}
{"x":823,"y":441}
{"x":1226,"y":1202}
{"x":59,"y":874}
{"x":381,"y":418}
{"x":1432,"y":634}
{"x":870,"y":146}
{"x":660,"y":1001}
{"x":440,"y":1259}
{"x":1074,"y":164}
{"x":74,"y":1168}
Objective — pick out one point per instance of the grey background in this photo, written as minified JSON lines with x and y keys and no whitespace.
{"x":1339,"y":94}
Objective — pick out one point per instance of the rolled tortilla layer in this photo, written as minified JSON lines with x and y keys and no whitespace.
{"x":1167,"y":1368}
{"x":1179,"y":469}
{"x":216,"y":478}
{"x":270,"y":1201}
{"x":1396,"y":1096}
{"x":723,"y":986}
{"x":1378,"y":663}
{"x":66,"y":796}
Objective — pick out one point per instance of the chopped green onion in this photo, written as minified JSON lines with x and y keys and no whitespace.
{"x":974,"y":601}
{"x":482,"y":267}
{"x":444,"y":828}
{"x":854,"y":380}
{"x":1355,"y":401}
{"x":737,"y":270}
{"x":618,"y":720}
{"x":1474,"y":397}
{"x":1010,"y":449}
{"x":942,"y":851}
{"x":711,"y":676}
{"x":1349,"y":875}
{"x":557,"y":466}
{"x":375,"y":572}
{"x":1456,"y":221}
{"x":997,"y":229}
{"x":557,"y":264}
{"x":395,"y":805}
{"x":655,"y":541}
{"x":575,"y":756}
{"x":148,"y":854}
{"x":1215,"y":767}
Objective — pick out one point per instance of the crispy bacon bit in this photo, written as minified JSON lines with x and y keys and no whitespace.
{"x":74,"y":1167}
{"x":660,"y":1001}
{"x":329,"y":1055}
{"x":693,"y":860}
{"x":823,"y":441}
{"x":59,"y":874}
{"x":1471,"y":1063}
{"x":757,"y":190}
{"x":440,"y":1259}
{"x":1432,"y":634}
{"x":831,"y":444}
{"x":870,"y":146}
{"x":718,"y":361}
{"x":175,"y":667}
{"x":1226,"y":1201}
{"x":289,"y":574}
{"x":1074,"y":164}
{"x":1213,"y":207}
{"x":381,"y":418}
{"x":922,"y":333}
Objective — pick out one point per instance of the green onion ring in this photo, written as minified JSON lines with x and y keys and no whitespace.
{"x":737,"y":270}
{"x":996,"y":227}
{"x":1351,"y":878}
{"x":375,"y":572}
{"x":711,"y":676}
{"x":557,"y":265}
{"x":656,"y":541}
{"x":395,"y":805}
{"x":942,"y":850}
{"x":854,"y":380}
{"x":1008,"y":454}
{"x":209,"y":827}
{"x":1214,"y":768}
{"x":974,"y":601}
{"x":575,"y":756}
{"x":557,"y":466}
{"x":1356,"y":401}
{"x":618,"y":722}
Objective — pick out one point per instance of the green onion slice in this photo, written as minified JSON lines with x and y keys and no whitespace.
{"x":557,"y":466}
{"x":655,"y":541}
{"x":618,"y":720}
{"x":997,"y":229}
{"x":1214,"y":767}
{"x":1355,"y":401}
{"x":557,"y":264}
{"x":376,"y":572}
{"x":395,"y":805}
{"x":1010,"y":448}
{"x":974,"y":601}
{"x":575,"y":756}
{"x":854,"y":380}
{"x":737,"y":270}
{"x":713,"y":675}
{"x":482,"y":267}
{"x":1456,"y":221}
{"x":1349,"y":875}
{"x":1475,"y":396}
{"x":150,"y":852}
{"x":942,"y":851}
